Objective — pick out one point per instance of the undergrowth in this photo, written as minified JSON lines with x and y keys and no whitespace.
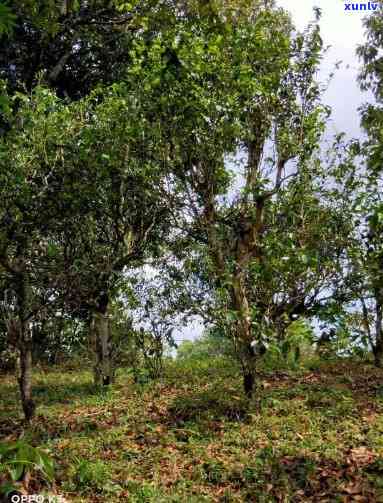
{"x":309,"y":434}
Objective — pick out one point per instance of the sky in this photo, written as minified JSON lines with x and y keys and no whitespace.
{"x":343,"y":32}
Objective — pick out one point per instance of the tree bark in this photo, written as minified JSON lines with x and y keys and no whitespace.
{"x":101,"y":345}
{"x":25,"y":379}
{"x":19,"y":330}
{"x":248,"y":383}
{"x":244,"y":333}
{"x":19,"y":337}
{"x":378,"y":349}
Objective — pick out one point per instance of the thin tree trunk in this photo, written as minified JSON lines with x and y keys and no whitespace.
{"x":248,"y":383}
{"x":25,"y":379}
{"x":366,"y":325}
{"x":101,"y":346}
{"x":19,"y":336}
{"x":378,"y":349}
{"x":249,"y":366}
{"x":23,"y":336}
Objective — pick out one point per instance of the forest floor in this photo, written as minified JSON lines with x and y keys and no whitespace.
{"x":309,"y":435}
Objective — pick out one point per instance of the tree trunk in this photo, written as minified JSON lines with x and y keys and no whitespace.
{"x":20,"y":334}
{"x":248,"y":383}
{"x":25,"y":379}
{"x":249,"y":366}
{"x":101,"y":346}
{"x":378,"y":349}
{"x":244,"y":333}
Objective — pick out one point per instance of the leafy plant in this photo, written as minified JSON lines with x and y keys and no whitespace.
{"x":19,"y":459}
{"x":90,"y":474}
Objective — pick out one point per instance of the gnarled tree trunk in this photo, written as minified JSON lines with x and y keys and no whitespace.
{"x":244,"y":333}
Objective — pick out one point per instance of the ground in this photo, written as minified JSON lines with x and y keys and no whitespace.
{"x":310,"y":435}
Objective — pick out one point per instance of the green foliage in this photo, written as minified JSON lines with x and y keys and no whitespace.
{"x":211,"y":344}
{"x":299,"y":335}
{"x":7,"y":19}
{"x":90,"y":475}
{"x":142,"y":168}
{"x":17,"y":459}
{"x":293,"y":351}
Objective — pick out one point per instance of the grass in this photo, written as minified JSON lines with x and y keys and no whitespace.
{"x":310,"y":435}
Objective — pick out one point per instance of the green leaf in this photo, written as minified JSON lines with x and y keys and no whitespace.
{"x":45,"y":463}
{"x":16,"y":471}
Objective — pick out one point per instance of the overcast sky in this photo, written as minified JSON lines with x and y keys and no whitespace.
{"x":343,"y":31}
